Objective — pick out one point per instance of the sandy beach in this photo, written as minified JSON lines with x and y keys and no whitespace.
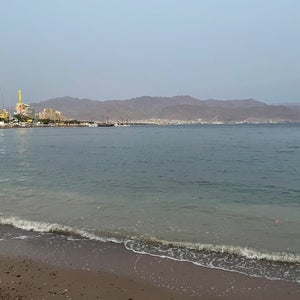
{"x":57,"y":267}
{"x":25,"y":278}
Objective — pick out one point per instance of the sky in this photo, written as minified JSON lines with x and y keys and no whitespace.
{"x":120,"y":49}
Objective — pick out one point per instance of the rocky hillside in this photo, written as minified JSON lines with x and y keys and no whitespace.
{"x":181,"y":108}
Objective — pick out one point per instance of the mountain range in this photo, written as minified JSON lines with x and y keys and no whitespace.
{"x":177,"y":108}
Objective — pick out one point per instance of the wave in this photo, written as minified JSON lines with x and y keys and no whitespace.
{"x":245,"y":252}
{"x":275,"y":266}
{"x":45,"y":227}
{"x":231,"y":258}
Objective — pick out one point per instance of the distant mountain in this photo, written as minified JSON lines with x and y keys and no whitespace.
{"x":177,"y":108}
{"x":292,"y":104}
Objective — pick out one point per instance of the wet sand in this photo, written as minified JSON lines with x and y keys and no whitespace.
{"x":26,"y":279}
{"x":52,"y":267}
{"x":23,"y":278}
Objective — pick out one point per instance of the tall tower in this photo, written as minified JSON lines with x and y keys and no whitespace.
{"x":20,"y":101}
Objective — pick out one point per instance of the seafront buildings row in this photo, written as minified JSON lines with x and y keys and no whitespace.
{"x":24,"y":115}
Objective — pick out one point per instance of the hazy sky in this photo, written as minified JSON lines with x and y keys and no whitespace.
{"x":120,"y":49}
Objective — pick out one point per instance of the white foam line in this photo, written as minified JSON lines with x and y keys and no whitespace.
{"x":231,"y":250}
{"x":51,"y":228}
{"x":235,"y":250}
{"x":203,"y":265}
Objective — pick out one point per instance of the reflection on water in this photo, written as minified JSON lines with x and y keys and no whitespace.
{"x":23,"y":148}
{"x":220,"y":185}
{"x":2,"y":143}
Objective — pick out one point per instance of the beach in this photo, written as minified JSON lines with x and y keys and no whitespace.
{"x":23,"y":278}
{"x":150,"y":150}
{"x":55,"y":268}
{"x":189,"y":212}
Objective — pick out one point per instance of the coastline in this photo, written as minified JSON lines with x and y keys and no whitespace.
{"x":37,"y":269}
{"x":44,"y":221}
{"x":95,"y":124}
{"x":24,"y":278}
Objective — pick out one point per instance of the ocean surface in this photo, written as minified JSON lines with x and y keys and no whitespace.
{"x":220,"y":196}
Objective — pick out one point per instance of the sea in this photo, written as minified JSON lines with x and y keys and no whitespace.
{"x":218,"y":196}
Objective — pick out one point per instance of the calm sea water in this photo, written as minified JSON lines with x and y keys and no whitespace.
{"x":225,"y":196}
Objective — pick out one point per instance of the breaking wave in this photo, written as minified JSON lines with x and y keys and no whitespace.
{"x":248,"y":261}
{"x":277,"y":266}
{"x":245,"y":252}
{"x":45,"y":227}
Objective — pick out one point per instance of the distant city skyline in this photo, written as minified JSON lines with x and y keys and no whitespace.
{"x":114,"y":50}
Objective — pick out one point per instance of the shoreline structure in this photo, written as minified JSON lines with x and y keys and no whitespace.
{"x":138,"y":123}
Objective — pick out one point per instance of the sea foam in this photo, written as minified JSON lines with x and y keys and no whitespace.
{"x":232,"y":258}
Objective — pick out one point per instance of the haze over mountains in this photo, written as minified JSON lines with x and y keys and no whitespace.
{"x":177,"y":108}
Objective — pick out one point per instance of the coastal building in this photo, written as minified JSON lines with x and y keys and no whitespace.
{"x":49,"y":114}
{"x":24,"y":112}
{"x":4,"y":115}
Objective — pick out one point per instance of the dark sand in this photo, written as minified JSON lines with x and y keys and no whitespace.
{"x":26,"y":279}
{"x":52,"y":267}
{"x":22,"y":278}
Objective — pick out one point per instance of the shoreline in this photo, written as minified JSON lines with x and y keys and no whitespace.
{"x":139,"y":123}
{"x":105,"y":268}
{"x":25,"y":278}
